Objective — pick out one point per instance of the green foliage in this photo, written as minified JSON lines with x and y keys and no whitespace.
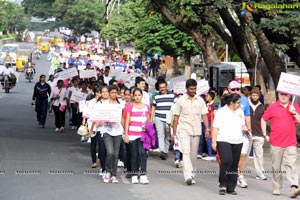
{"x":84,"y":15}
{"x":38,"y":8}
{"x":12,"y":17}
{"x":137,"y":22}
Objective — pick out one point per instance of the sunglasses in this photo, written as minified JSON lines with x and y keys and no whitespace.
{"x":235,"y":89}
{"x":283,"y":94}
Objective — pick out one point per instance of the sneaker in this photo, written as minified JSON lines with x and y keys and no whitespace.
{"x":242,"y":182}
{"x":193,"y":181}
{"x":199,"y":156}
{"x":295,"y":191}
{"x":56,"y":130}
{"x":181,"y":164}
{"x":163,"y":156}
{"x":144,"y":180}
{"x":106,"y":178}
{"x":177,"y":163}
{"x":189,"y":181}
{"x":82,"y":139}
{"x":262,"y":177}
{"x":113,"y":179}
{"x":61,"y":129}
{"x":134,"y":180}
{"x":94,"y":165}
{"x":232,"y":192}
{"x":276,"y":192}
{"x":89,"y":140}
{"x":222,"y":191}
{"x":120,"y":163}
{"x":208,"y":158}
{"x":74,"y":127}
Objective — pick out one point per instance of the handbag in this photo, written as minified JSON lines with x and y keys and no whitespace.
{"x":83,"y":130}
{"x":62,"y":107}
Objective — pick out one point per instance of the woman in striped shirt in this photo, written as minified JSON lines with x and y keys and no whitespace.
{"x":136,"y":117}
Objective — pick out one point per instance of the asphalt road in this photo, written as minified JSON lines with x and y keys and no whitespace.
{"x":39,"y":164}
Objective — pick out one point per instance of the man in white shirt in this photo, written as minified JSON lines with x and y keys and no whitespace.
{"x":141,"y":83}
{"x":106,"y":76}
{"x":7,"y":70}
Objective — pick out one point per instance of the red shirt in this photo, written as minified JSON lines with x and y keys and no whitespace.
{"x":283,"y":126}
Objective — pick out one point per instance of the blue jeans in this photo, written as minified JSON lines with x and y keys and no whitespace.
{"x":41,"y":105}
{"x":178,"y":155}
{"x":202,"y":142}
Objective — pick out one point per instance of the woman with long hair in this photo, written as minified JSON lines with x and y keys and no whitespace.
{"x":137,"y":116}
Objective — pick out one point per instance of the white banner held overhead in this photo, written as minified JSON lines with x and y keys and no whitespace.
{"x":67,"y":73}
{"x":202,"y":87}
{"x":289,"y":84}
{"x":179,"y":87}
{"x":87,"y":73}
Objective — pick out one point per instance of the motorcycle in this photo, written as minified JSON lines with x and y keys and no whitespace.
{"x":7,"y":83}
{"x":37,"y":54}
{"x":29,"y":73}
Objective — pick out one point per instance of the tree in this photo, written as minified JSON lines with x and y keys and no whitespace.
{"x":84,"y":15}
{"x":242,"y":35}
{"x":38,"y":8}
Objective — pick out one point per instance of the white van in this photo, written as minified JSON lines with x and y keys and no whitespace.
{"x":11,"y":49}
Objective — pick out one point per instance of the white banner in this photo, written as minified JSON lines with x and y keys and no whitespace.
{"x":106,"y":113}
{"x":67,"y":73}
{"x":289,"y":84}
{"x":179,"y":87}
{"x":77,"y":97}
{"x":202,"y":87}
{"x":88,"y":73}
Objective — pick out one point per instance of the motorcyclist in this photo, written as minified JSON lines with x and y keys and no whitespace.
{"x":8,"y":70}
{"x":30,"y":65}
{"x":8,"y":58}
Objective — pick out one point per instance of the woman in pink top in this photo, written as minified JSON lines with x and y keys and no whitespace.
{"x":136,"y":118}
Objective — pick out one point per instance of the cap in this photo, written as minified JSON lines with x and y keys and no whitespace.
{"x":255,"y":90}
{"x":234,"y":84}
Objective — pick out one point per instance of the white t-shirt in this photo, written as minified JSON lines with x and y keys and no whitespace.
{"x":62,"y":93}
{"x":106,"y":79}
{"x":146,"y":98}
{"x":229,"y":125}
{"x":7,"y":71}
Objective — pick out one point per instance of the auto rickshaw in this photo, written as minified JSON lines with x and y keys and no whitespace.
{"x":59,"y":41}
{"x":45,"y":44}
{"x":23,"y":55}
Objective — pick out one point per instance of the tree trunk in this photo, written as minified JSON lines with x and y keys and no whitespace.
{"x":175,"y":66}
{"x":187,"y":65}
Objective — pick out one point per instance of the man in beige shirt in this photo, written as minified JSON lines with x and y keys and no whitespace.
{"x":188,"y":112}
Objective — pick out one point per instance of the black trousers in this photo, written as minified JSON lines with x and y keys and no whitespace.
{"x":230,"y":157}
{"x":60,"y":117}
{"x":101,"y":151}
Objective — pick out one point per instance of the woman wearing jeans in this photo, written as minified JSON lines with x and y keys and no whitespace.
{"x":227,"y":139}
{"x":136,"y":117}
{"x":112,"y":139}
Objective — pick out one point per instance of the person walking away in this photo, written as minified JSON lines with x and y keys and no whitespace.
{"x":257,"y":110}
{"x":189,"y":110}
{"x":227,"y":139}
{"x":161,"y":105}
{"x":136,"y":118}
{"x":41,"y":92}
{"x":59,"y":105}
{"x":282,"y":114}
